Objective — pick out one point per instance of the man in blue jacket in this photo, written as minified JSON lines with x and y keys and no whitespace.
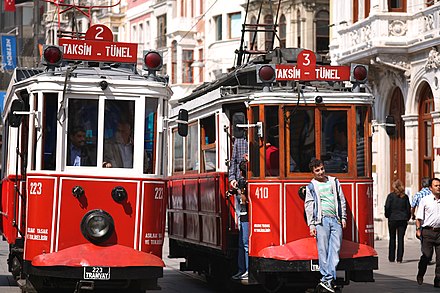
{"x":325,"y":209}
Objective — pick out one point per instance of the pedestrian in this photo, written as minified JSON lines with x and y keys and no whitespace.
{"x":428,"y":229}
{"x":325,"y":208}
{"x":419,"y":195}
{"x":398,"y":212}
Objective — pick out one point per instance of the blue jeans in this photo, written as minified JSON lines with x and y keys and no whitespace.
{"x":328,"y":240}
{"x":243,"y":247}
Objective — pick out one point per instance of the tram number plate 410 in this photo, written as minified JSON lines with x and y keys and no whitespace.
{"x":96,"y":273}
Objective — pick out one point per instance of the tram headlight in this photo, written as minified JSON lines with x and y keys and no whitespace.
{"x":152,"y":61}
{"x":97,"y":226}
{"x":265,"y":73}
{"x":52,"y":55}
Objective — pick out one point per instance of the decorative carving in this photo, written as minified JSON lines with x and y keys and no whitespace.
{"x":398,"y":28}
{"x":433,"y":60}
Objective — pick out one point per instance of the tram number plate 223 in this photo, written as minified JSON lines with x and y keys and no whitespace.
{"x":96,"y":273}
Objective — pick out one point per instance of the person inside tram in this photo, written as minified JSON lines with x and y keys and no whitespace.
{"x":118,"y":151}
{"x":337,"y":163}
{"x":78,"y":154}
{"x":272,"y":153}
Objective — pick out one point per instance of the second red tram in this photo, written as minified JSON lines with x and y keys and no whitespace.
{"x":83,"y":187}
{"x":286,"y":124}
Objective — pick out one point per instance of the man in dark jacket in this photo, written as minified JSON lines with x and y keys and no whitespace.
{"x":77,"y":153}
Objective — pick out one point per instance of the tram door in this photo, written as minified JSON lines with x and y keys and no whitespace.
{"x":397,"y":137}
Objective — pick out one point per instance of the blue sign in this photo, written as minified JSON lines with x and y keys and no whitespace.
{"x":9,"y":52}
{"x":2,"y":99}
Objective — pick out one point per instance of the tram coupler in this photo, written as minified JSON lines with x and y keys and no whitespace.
{"x":84,"y":285}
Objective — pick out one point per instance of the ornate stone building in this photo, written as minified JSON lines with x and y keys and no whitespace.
{"x":399,"y":40}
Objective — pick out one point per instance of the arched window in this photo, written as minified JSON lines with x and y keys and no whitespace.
{"x":322,"y":32}
{"x":253,"y":35}
{"x":268,"y":35}
{"x":283,"y":32}
{"x":426,"y":132}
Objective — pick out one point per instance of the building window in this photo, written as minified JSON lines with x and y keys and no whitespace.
{"x":201,"y":67}
{"x":133,"y":34}
{"x":322,"y":32}
{"x":187,"y":70}
{"x":218,"y":27}
{"x":283,"y":32}
{"x":268,"y":35}
{"x":161,"y":31}
{"x":174,"y":62}
{"x":141,"y":33}
{"x":234,"y":25}
{"x":397,"y":5}
{"x":115,"y":31}
{"x":298,"y":29}
{"x":147,"y":33}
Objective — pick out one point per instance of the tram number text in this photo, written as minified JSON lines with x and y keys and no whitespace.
{"x":35,"y":188}
{"x":158,"y":193}
{"x":262,"y":192}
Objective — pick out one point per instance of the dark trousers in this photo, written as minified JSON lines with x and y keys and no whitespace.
{"x":430,"y":240}
{"x":400,"y":228}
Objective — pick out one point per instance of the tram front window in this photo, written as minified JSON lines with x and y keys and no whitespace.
{"x":272,"y":141}
{"x":82,"y":132}
{"x":118,"y":134}
{"x":334,"y":143}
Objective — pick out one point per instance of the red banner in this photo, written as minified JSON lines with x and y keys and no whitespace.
{"x":10,"y":5}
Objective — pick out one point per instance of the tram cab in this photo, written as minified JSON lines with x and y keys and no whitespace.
{"x":83,"y":177}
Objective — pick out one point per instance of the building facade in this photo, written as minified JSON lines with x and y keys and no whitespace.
{"x":400,"y":41}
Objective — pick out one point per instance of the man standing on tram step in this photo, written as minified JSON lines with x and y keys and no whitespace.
{"x":428,"y":228}
{"x":239,"y":154}
{"x":325,"y":208}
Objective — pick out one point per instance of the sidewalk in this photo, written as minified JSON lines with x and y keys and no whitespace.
{"x":397,"y":277}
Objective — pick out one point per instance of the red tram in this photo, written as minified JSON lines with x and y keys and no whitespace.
{"x":83,"y":169}
{"x":300,"y":120}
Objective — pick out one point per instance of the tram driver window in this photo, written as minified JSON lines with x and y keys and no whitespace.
{"x":118,"y":134}
{"x":334,"y":141}
{"x":82,"y":131}
{"x":300,"y":137}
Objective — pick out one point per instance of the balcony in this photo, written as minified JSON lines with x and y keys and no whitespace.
{"x":387,"y":33}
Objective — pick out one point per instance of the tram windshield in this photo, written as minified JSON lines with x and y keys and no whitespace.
{"x":294,"y":135}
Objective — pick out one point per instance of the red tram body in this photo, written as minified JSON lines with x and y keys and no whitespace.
{"x":71,"y":221}
{"x":301,"y":118}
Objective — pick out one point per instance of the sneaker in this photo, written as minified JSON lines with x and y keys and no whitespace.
{"x":327,"y":286}
{"x":237,"y":276}
{"x":245,"y":276}
{"x":419,"y":280}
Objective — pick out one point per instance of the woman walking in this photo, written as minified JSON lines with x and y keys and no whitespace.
{"x":398,"y":212}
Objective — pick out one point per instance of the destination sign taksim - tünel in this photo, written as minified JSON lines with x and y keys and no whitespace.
{"x":306,"y":69}
{"x":98,"y":45}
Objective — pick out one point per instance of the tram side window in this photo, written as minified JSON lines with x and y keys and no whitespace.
{"x":149,"y":135}
{"x":272,"y":141}
{"x":118,"y":134}
{"x":178,"y":152}
{"x":49,"y":136}
{"x":82,"y":132}
{"x":301,"y":138}
{"x":208,"y":143}
{"x":361,"y":118}
{"x":192,"y":148}
{"x":334,"y":143}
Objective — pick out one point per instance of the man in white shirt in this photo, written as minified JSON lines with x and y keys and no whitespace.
{"x":428,"y":229}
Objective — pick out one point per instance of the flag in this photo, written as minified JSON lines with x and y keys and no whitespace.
{"x":9,"y":52}
{"x":10,"y":5}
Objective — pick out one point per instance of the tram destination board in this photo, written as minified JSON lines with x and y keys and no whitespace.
{"x":96,"y":273}
{"x":98,"y":45}
{"x":91,"y":50}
